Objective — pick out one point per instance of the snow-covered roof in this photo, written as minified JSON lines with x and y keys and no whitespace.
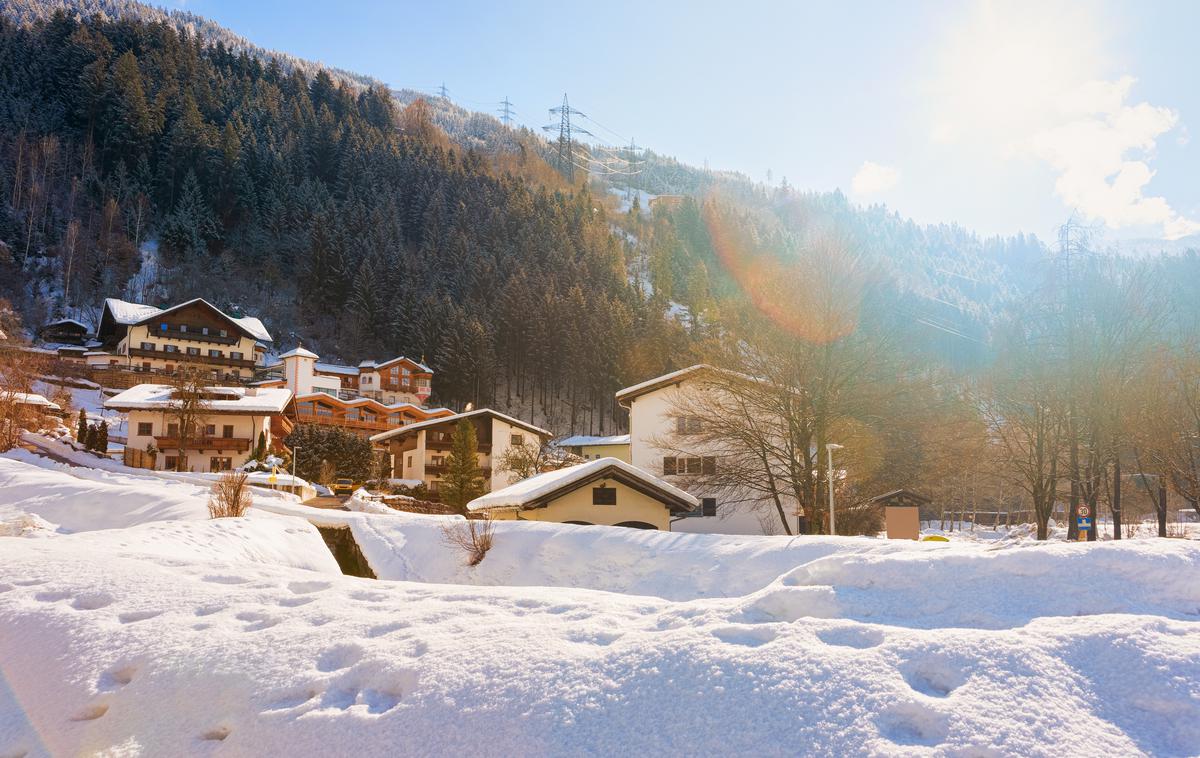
{"x":30,"y":398}
{"x":360,"y":401}
{"x":651,"y":384}
{"x":582,"y":440}
{"x":124,"y":312}
{"x":537,"y":491}
{"x":66,"y":321}
{"x":97,"y":352}
{"x":454,"y":419}
{"x":334,"y":368}
{"x":390,"y":361}
{"x":219,"y":399}
{"x":299,"y":352}
{"x":135,"y":313}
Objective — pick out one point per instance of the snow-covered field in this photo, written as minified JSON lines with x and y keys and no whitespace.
{"x":151,"y":630}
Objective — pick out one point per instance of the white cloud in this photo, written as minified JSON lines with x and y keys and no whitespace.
{"x":872,"y":178}
{"x":1028,"y":81}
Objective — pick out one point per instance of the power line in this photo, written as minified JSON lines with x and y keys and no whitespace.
{"x":566,"y":137}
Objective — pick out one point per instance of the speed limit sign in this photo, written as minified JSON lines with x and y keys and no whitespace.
{"x":1083,"y":511}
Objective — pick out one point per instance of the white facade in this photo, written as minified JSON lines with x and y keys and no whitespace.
{"x":300,"y":376}
{"x":651,"y":419}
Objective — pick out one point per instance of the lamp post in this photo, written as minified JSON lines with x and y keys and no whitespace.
{"x":829,"y":448}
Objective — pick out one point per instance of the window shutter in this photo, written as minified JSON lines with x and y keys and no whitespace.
{"x":709,"y":465}
{"x":668,"y":466}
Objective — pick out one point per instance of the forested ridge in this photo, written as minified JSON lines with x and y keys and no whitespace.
{"x":316,"y":205}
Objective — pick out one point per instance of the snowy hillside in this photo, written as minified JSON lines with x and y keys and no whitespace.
{"x":178,"y":635}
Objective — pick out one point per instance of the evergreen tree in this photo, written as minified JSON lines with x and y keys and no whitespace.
{"x":260,"y":449}
{"x":101,"y":438}
{"x":81,"y":429}
{"x":463,"y":481}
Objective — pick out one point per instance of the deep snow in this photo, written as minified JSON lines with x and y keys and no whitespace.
{"x":186,"y":636}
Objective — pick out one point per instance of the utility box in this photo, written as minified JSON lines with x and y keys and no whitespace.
{"x":901,"y":513}
{"x":903,"y":522}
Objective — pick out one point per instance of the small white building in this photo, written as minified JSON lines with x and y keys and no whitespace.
{"x":229,"y":427}
{"x":607,"y":492}
{"x":653,"y":419}
{"x":591,"y":447}
{"x":418,"y":451}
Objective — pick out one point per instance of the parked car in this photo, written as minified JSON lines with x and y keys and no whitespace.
{"x":343,"y":487}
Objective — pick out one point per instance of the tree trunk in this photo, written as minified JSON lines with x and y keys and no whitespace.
{"x":1162,"y":508}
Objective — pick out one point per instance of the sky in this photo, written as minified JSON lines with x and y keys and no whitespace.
{"x":1002,"y":117}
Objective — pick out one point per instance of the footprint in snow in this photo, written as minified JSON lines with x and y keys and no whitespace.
{"x":933,"y":677}
{"x":256,"y":621}
{"x":599,"y":639}
{"x":304,"y":588}
{"x":208,"y":610}
{"x":135,"y":616}
{"x":30,"y":582}
{"x":217,"y":734}
{"x":225,"y":579}
{"x":911,"y":723}
{"x":851,"y":637}
{"x":295,"y":602}
{"x":91,"y":713}
{"x":288,"y":702}
{"x":382,"y":629}
{"x":51,"y":597}
{"x":369,"y":597}
{"x":339,"y":657}
{"x":92,"y":601}
{"x":6,"y":587}
{"x":116,"y":678}
{"x":746,"y":635}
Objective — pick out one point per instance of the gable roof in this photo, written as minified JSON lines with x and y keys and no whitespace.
{"x":538,"y":491}
{"x":405,"y":430}
{"x":131,"y":314}
{"x":299,"y":352}
{"x":232,"y":400}
{"x":582,"y":440}
{"x":376,"y":365}
{"x":658,"y":382}
{"x":67,"y":322}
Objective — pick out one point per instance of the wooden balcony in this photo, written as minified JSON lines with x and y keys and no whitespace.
{"x":163,"y":355}
{"x":196,"y":336}
{"x":432,"y":470}
{"x":316,"y":418}
{"x":237,"y":444}
{"x":483,"y":447}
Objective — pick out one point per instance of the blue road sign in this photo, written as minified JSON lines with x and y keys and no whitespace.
{"x":1083,"y":523}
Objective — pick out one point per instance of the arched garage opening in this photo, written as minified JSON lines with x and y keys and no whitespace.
{"x":636,"y":525}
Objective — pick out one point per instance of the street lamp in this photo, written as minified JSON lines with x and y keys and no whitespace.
{"x":829,"y":448}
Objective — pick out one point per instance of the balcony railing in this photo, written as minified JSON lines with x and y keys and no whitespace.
{"x":183,"y":357}
{"x":236,"y":444}
{"x":316,"y":418}
{"x":438,"y":470}
{"x":196,"y":336}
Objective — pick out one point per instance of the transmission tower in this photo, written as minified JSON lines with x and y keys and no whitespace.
{"x":566,"y":141}
{"x":443,"y":92}
{"x":506,"y":111}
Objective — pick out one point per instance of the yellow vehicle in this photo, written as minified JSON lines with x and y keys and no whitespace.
{"x":342,"y":487}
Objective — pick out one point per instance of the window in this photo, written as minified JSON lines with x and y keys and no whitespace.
{"x":708,"y":506}
{"x":438,"y":460}
{"x":518,"y":439}
{"x":171,"y":348}
{"x":147,"y":345}
{"x":223,"y":333}
{"x":210,"y":430}
{"x":145,"y":429}
{"x":204,"y":330}
{"x":220,"y":464}
{"x":669,"y":466}
{"x":193,"y":351}
{"x":691,"y":465}
{"x":236,"y":356}
{"x":172,"y":429}
{"x":409,"y":462}
{"x":183,"y":328}
{"x":170,"y":368}
{"x":145,"y":365}
{"x":604,"y":496}
{"x":215,"y":354}
{"x":395,"y":371}
{"x":687,"y":425}
{"x":708,"y":465}
{"x":227,"y":431}
{"x":172,"y":463}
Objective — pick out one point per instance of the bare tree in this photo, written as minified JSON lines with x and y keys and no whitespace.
{"x":527,"y":459}
{"x":472,"y":535}
{"x":188,"y":410}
